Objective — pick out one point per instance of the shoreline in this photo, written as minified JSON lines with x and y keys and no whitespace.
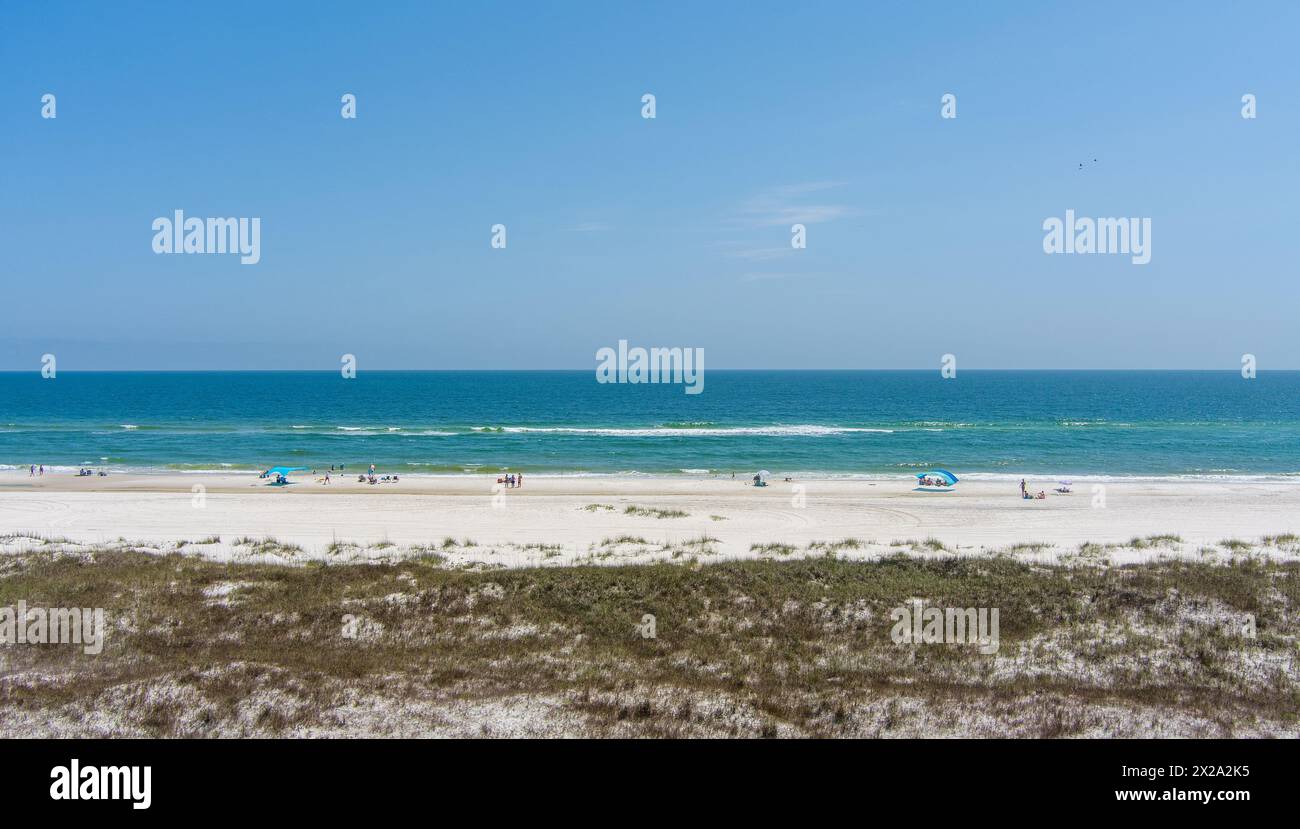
{"x":622,"y":519}
{"x":9,"y":475}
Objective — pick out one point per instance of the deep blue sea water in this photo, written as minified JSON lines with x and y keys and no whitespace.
{"x":1119,"y":423}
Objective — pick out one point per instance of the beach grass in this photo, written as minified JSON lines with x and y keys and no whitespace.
{"x":1152,"y":541}
{"x":654,"y":512}
{"x":623,"y":539}
{"x":834,"y":547}
{"x":765,"y":647}
{"x":772,"y":548}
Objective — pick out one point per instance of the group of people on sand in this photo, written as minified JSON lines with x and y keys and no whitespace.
{"x":363,"y":478}
{"x":1024,"y":493}
{"x":37,"y":470}
{"x":928,"y":481}
{"x":372,"y":480}
{"x":512,"y":480}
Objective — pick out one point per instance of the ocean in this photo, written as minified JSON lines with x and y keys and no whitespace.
{"x":838,"y":423}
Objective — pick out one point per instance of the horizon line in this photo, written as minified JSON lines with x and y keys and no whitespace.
{"x":589,"y":369}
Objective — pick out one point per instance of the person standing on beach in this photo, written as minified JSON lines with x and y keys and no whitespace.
{"x":42,"y":471}
{"x":1024,"y":491}
{"x":519,"y":479}
{"x":31,"y":471}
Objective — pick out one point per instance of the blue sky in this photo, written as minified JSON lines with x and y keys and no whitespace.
{"x":924,"y":234}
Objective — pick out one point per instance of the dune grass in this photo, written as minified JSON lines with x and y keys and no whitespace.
{"x":787,"y":647}
{"x":654,"y":512}
{"x":792,"y":646}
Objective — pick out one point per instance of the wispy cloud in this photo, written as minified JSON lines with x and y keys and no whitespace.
{"x":791,"y":204}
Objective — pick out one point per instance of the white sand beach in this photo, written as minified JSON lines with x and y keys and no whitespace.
{"x":612,"y":520}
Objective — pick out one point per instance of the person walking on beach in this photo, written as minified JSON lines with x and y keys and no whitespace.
{"x":1024,"y":490}
{"x":31,"y":471}
{"x":519,"y":479}
{"x":41,"y":473}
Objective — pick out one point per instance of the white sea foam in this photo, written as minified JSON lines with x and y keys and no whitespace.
{"x":366,"y":431}
{"x":804,"y":430}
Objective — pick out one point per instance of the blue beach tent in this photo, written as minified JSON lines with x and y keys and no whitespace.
{"x":948,"y":479}
{"x":281,"y":473}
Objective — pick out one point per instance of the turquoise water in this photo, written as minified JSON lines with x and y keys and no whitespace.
{"x":789,"y":422}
